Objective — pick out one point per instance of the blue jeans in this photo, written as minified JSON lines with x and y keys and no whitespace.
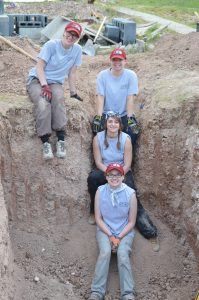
{"x":99,"y":282}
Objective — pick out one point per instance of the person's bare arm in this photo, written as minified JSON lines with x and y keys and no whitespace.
{"x":132,"y":217}
{"x":130,"y":106}
{"x":128,"y":154}
{"x":41,"y":64}
{"x":72,"y":80}
{"x":98,"y":217}
{"x":97,"y":155}
{"x":100,"y":105}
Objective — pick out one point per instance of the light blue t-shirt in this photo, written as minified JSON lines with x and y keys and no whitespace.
{"x":58,"y":60}
{"x":115,"y":216}
{"x":112,"y":154}
{"x":115,"y":89}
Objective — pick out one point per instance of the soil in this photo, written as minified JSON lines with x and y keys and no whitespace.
{"x":53,"y":246}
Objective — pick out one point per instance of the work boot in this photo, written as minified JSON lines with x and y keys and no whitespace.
{"x":91,"y":219}
{"x":47,"y":151}
{"x":61,"y":150}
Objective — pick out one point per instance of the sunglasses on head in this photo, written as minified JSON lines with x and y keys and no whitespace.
{"x":110,"y":114}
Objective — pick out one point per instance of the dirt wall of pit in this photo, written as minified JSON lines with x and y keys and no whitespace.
{"x":168,"y":178}
{"x":35,"y":192}
{"x":38,"y":193}
{"x":6,"y":256}
{"x":168,"y":156}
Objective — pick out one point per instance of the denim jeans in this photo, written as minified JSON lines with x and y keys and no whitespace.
{"x":143,"y":222}
{"x":99,"y":282}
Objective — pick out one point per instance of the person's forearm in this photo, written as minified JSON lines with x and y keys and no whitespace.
{"x":126,"y":168}
{"x":40,"y":72}
{"x":72,"y":83}
{"x":103,"y":227}
{"x":100,"y":105}
{"x":130,"y":106}
{"x":126,"y":230}
{"x":101,"y":166}
{"x":128,"y":154}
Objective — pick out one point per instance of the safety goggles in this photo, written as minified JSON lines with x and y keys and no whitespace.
{"x":110,"y":114}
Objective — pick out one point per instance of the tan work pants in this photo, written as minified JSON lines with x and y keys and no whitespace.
{"x":49,"y":115}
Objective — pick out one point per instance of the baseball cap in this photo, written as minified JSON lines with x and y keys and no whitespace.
{"x":118,"y":53}
{"x":115,"y":166}
{"x":74,"y":26}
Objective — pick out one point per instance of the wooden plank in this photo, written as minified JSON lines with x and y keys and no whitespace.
{"x":6,"y":41}
{"x":100,"y":28}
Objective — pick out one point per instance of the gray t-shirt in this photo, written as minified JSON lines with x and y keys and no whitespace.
{"x":58,"y":60}
{"x":115,"y":89}
{"x":112,"y":154}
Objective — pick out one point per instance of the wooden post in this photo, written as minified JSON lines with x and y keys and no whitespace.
{"x":100,"y":28}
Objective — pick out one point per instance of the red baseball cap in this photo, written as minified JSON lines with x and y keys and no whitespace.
{"x":74,"y":26}
{"x":115,"y":166}
{"x":118,"y":53}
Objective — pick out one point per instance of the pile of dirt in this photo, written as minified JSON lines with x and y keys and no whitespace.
{"x":47,"y":202}
{"x":70,"y":9}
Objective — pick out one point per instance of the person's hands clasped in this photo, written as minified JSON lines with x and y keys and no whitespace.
{"x":46,"y":92}
{"x":115,"y":241}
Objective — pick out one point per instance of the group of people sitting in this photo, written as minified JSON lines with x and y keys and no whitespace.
{"x":115,"y":203}
{"x":115,"y":207}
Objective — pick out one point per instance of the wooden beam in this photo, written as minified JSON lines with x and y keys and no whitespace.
{"x":16,"y":48}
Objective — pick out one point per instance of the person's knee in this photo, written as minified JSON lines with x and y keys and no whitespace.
{"x":122,"y":255}
{"x":105,"y":253}
{"x":94,"y":177}
{"x":57,"y":92}
{"x":43,"y":105}
{"x":91,"y":177}
{"x":145,"y":225}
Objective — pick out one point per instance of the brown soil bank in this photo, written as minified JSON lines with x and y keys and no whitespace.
{"x":53,"y":246}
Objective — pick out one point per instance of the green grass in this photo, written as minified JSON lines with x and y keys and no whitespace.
{"x":176,"y":10}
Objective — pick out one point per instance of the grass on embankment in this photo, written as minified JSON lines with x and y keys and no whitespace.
{"x":181,"y":11}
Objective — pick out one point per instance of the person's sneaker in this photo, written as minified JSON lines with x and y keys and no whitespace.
{"x":61,"y":149}
{"x":155,"y":244}
{"x":47,"y":151}
{"x":91,"y":219}
{"x":94,"y":297}
{"x":129,"y":297}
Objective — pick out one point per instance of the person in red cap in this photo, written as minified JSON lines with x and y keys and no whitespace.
{"x":57,"y":60}
{"x":116,"y":88}
{"x":115,"y":213}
